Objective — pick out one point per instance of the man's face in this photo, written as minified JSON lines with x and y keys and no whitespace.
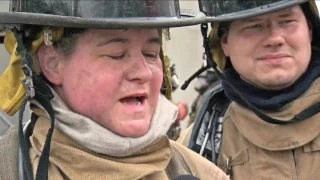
{"x":270,"y":51}
{"x":114,"y":77}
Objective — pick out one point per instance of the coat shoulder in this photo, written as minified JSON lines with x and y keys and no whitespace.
{"x":200,"y":166}
{"x":9,"y":146}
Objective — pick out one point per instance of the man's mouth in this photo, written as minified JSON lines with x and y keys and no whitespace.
{"x":273,"y":56}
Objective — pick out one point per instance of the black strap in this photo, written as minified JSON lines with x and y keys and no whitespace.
{"x":26,"y":58}
{"x":19,"y":35}
{"x":42,"y":170}
{"x":196,"y":74}
{"x":43,"y":96}
{"x":214,"y":105}
{"x":24,"y":145}
{"x":305,"y":114}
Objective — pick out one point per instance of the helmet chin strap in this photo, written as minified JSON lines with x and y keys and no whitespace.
{"x":38,"y":90}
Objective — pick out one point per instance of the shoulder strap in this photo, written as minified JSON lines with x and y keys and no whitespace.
{"x":9,"y":150}
{"x":177,"y":165}
{"x":208,"y":124}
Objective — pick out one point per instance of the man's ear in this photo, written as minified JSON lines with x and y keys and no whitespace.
{"x":51,"y":64}
{"x":224,"y":44}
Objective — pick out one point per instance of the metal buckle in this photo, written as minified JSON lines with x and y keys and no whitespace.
{"x":229,"y":169}
{"x":204,"y":58}
{"x":47,"y":33}
{"x":27,"y":82}
{"x":175,"y":81}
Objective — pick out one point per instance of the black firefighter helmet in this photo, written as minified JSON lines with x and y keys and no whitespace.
{"x":100,"y":13}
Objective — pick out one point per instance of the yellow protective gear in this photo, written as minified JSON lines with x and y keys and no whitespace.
{"x":167,"y":76}
{"x":12,"y":91}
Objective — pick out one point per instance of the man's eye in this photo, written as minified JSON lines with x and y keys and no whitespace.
{"x":255,"y":26}
{"x":286,"y":21}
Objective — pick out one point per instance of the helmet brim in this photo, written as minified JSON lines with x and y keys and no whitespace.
{"x":188,"y":17}
{"x":261,"y":10}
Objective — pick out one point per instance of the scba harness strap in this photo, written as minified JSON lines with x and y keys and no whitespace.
{"x":207,"y":130}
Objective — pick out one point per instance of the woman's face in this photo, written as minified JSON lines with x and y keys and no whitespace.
{"x":112,"y":77}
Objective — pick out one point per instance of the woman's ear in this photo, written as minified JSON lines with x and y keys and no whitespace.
{"x":51,"y":64}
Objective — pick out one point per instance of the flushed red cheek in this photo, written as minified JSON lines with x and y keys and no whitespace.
{"x":102,"y":91}
{"x":81,"y":94}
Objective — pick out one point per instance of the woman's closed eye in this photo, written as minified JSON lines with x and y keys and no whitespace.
{"x":116,"y":56}
{"x":151,"y":54}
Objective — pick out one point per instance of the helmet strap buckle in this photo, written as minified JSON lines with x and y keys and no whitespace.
{"x":47,"y":31}
{"x":27,"y":82}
